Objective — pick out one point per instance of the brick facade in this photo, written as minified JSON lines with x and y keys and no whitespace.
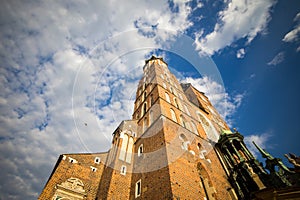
{"x":165,"y":152}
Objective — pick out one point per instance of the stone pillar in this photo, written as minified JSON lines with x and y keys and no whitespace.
{"x":236,"y":151}
{"x":250,"y":156}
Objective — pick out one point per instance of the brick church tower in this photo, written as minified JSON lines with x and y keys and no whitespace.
{"x":167,"y":150}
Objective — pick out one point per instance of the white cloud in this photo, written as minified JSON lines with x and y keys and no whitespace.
{"x":293,"y":35}
{"x":69,"y":62}
{"x":240,"y":53}
{"x":222,"y":101}
{"x":260,"y":139}
{"x":240,"y":19}
{"x":277,"y":59}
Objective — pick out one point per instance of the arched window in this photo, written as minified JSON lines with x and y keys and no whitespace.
{"x":164,"y":85}
{"x":194,"y":127}
{"x":171,"y":89}
{"x":174,"y":92}
{"x":145,"y":108}
{"x":129,"y":150}
{"x":145,"y":95}
{"x":123,"y":147}
{"x":182,"y":121}
{"x":210,"y":131}
{"x":140,"y":150}
{"x":186,"y":110}
{"x":180,"y":96}
{"x":173,"y":115}
{"x":150,"y":117}
{"x":175,"y":102}
{"x":167,"y":97}
{"x":145,"y":124}
{"x":151,"y":100}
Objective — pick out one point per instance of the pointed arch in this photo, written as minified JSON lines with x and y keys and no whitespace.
{"x":175,"y":102}
{"x":208,"y":127}
{"x":123,"y":147}
{"x":167,"y":97}
{"x":173,"y":115}
{"x":150,"y":117}
{"x":145,"y":108}
{"x":194,"y":128}
{"x":145,"y":123}
{"x":129,"y":150}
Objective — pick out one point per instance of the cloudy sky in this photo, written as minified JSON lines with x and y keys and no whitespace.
{"x":69,"y":73}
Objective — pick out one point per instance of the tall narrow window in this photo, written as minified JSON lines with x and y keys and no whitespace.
{"x":145,"y":95}
{"x":186,"y":110}
{"x":145,"y":124}
{"x":123,"y":170}
{"x":194,"y":127}
{"x":151,"y":100}
{"x":173,"y":115}
{"x":138,"y":188}
{"x":164,"y":85}
{"x":129,"y":150}
{"x":123,"y":147}
{"x":167,"y":97}
{"x":150,"y":117}
{"x":175,"y":102}
{"x":140,"y":150}
{"x":145,"y":108}
{"x":182,"y":121}
{"x":171,"y":89}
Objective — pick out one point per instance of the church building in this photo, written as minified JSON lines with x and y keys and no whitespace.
{"x":176,"y":146}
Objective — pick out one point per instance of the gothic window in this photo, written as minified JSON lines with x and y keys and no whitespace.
{"x":186,"y":110}
{"x":194,"y":128}
{"x":180,"y":96}
{"x":145,"y":124}
{"x":123,"y":170}
{"x":145,"y":108}
{"x":129,"y":150}
{"x":167,"y":97}
{"x":145,"y":95}
{"x":164,"y":85}
{"x":171,"y":89}
{"x":138,"y":188}
{"x":151,"y":100}
{"x":174,"y":92}
{"x":173,"y":115}
{"x":210,"y":131}
{"x":123,"y":147}
{"x":150,"y":117}
{"x":140,"y":150}
{"x":182,"y":121}
{"x":175,"y":102}
{"x":199,"y":146}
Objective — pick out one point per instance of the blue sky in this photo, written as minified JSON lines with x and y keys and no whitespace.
{"x":64,"y":65}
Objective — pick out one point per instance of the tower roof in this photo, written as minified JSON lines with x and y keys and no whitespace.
{"x":155,"y":58}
